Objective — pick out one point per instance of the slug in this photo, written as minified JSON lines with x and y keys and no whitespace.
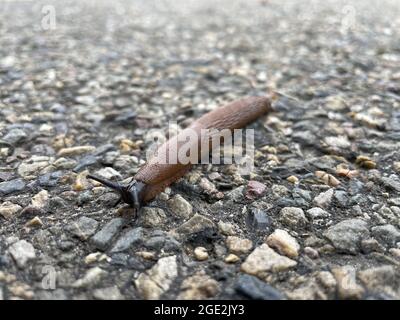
{"x":157,"y":174}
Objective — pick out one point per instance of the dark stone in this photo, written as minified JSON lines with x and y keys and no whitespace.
{"x":380,"y":296}
{"x":4,"y":261}
{"x":391,"y":182}
{"x":119,"y":259}
{"x":253,"y":288}
{"x":136,"y":264}
{"x":288,"y":202}
{"x":66,"y":245}
{"x":42,"y":149}
{"x":83,"y":228}
{"x":108,"y":199}
{"x":301,"y":193}
{"x":171,"y":244}
{"x":357,"y":199}
{"x":155,"y":243}
{"x":102,"y":239}
{"x":11,"y":186}
{"x":387,"y":234}
{"x":104,"y":148}
{"x":203,"y":238}
{"x":132,"y":236}
{"x":126,"y":117}
{"x":86,"y":162}
{"x":222,"y":271}
{"x":84,"y":197}
{"x":57,"y":294}
{"x":341,"y":198}
{"x":56,"y":203}
{"x":50,"y":179}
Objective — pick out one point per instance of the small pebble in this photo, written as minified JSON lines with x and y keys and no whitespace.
{"x":365,"y":162}
{"x":327,"y":178}
{"x":311,"y":252}
{"x":293,"y":217}
{"x":255,"y":189}
{"x":9,"y":209}
{"x":180,"y":207}
{"x":22,"y":252}
{"x":238,"y":245}
{"x":35,"y":222}
{"x":324,"y":199}
{"x":293,"y":179}
{"x":231,"y":258}
{"x":74,"y":151}
{"x":284,"y":243}
{"x":201,"y":253}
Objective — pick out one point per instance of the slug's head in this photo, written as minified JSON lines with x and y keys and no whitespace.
{"x":130,"y":194}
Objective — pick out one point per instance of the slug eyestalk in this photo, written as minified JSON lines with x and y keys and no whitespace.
{"x":130,"y":194}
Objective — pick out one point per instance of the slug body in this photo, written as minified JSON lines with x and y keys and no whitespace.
{"x":159,"y":172}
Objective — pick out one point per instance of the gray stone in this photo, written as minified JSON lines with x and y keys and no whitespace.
{"x":34,"y":165}
{"x":83,"y":228}
{"x":377,"y":277}
{"x":57,"y":294}
{"x":171,"y":244}
{"x":346,"y":235}
{"x":180,"y":207}
{"x":14,"y":136}
{"x":226,"y":228}
{"x":131,"y":237}
{"x":305,"y":194}
{"x":371,"y":245}
{"x":355,"y":186}
{"x":258,"y":220}
{"x":154,"y":282}
{"x":394,"y":201}
{"x":264,"y":260}
{"x":86,"y":162}
{"x":49,"y":179}
{"x":293,"y":217}
{"x":109,"y":173}
{"x":195,"y":224}
{"x":253,"y":288}
{"x":22,"y":251}
{"x":152,"y":217}
{"x":324,"y":199}
{"x":317,"y":213}
{"x":388,"y":234}
{"x":341,"y":198}
{"x":392,"y":182}
{"x":236,"y":193}
{"x":110,"y":293}
{"x":11,"y":186}
{"x":156,"y":242}
{"x":91,"y":278}
{"x":347,"y":286}
{"x":102,"y":239}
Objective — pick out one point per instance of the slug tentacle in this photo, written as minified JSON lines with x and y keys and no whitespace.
{"x":130,"y":194}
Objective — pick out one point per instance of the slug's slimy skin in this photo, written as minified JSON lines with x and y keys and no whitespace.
{"x":157,"y":173}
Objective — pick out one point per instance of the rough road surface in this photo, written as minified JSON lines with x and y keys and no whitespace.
{"x":319,"y":216}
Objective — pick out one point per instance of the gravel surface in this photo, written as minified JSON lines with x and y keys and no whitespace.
{"x":319,"y":216}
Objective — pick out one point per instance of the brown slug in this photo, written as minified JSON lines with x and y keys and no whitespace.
{"x":157,"y":174}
